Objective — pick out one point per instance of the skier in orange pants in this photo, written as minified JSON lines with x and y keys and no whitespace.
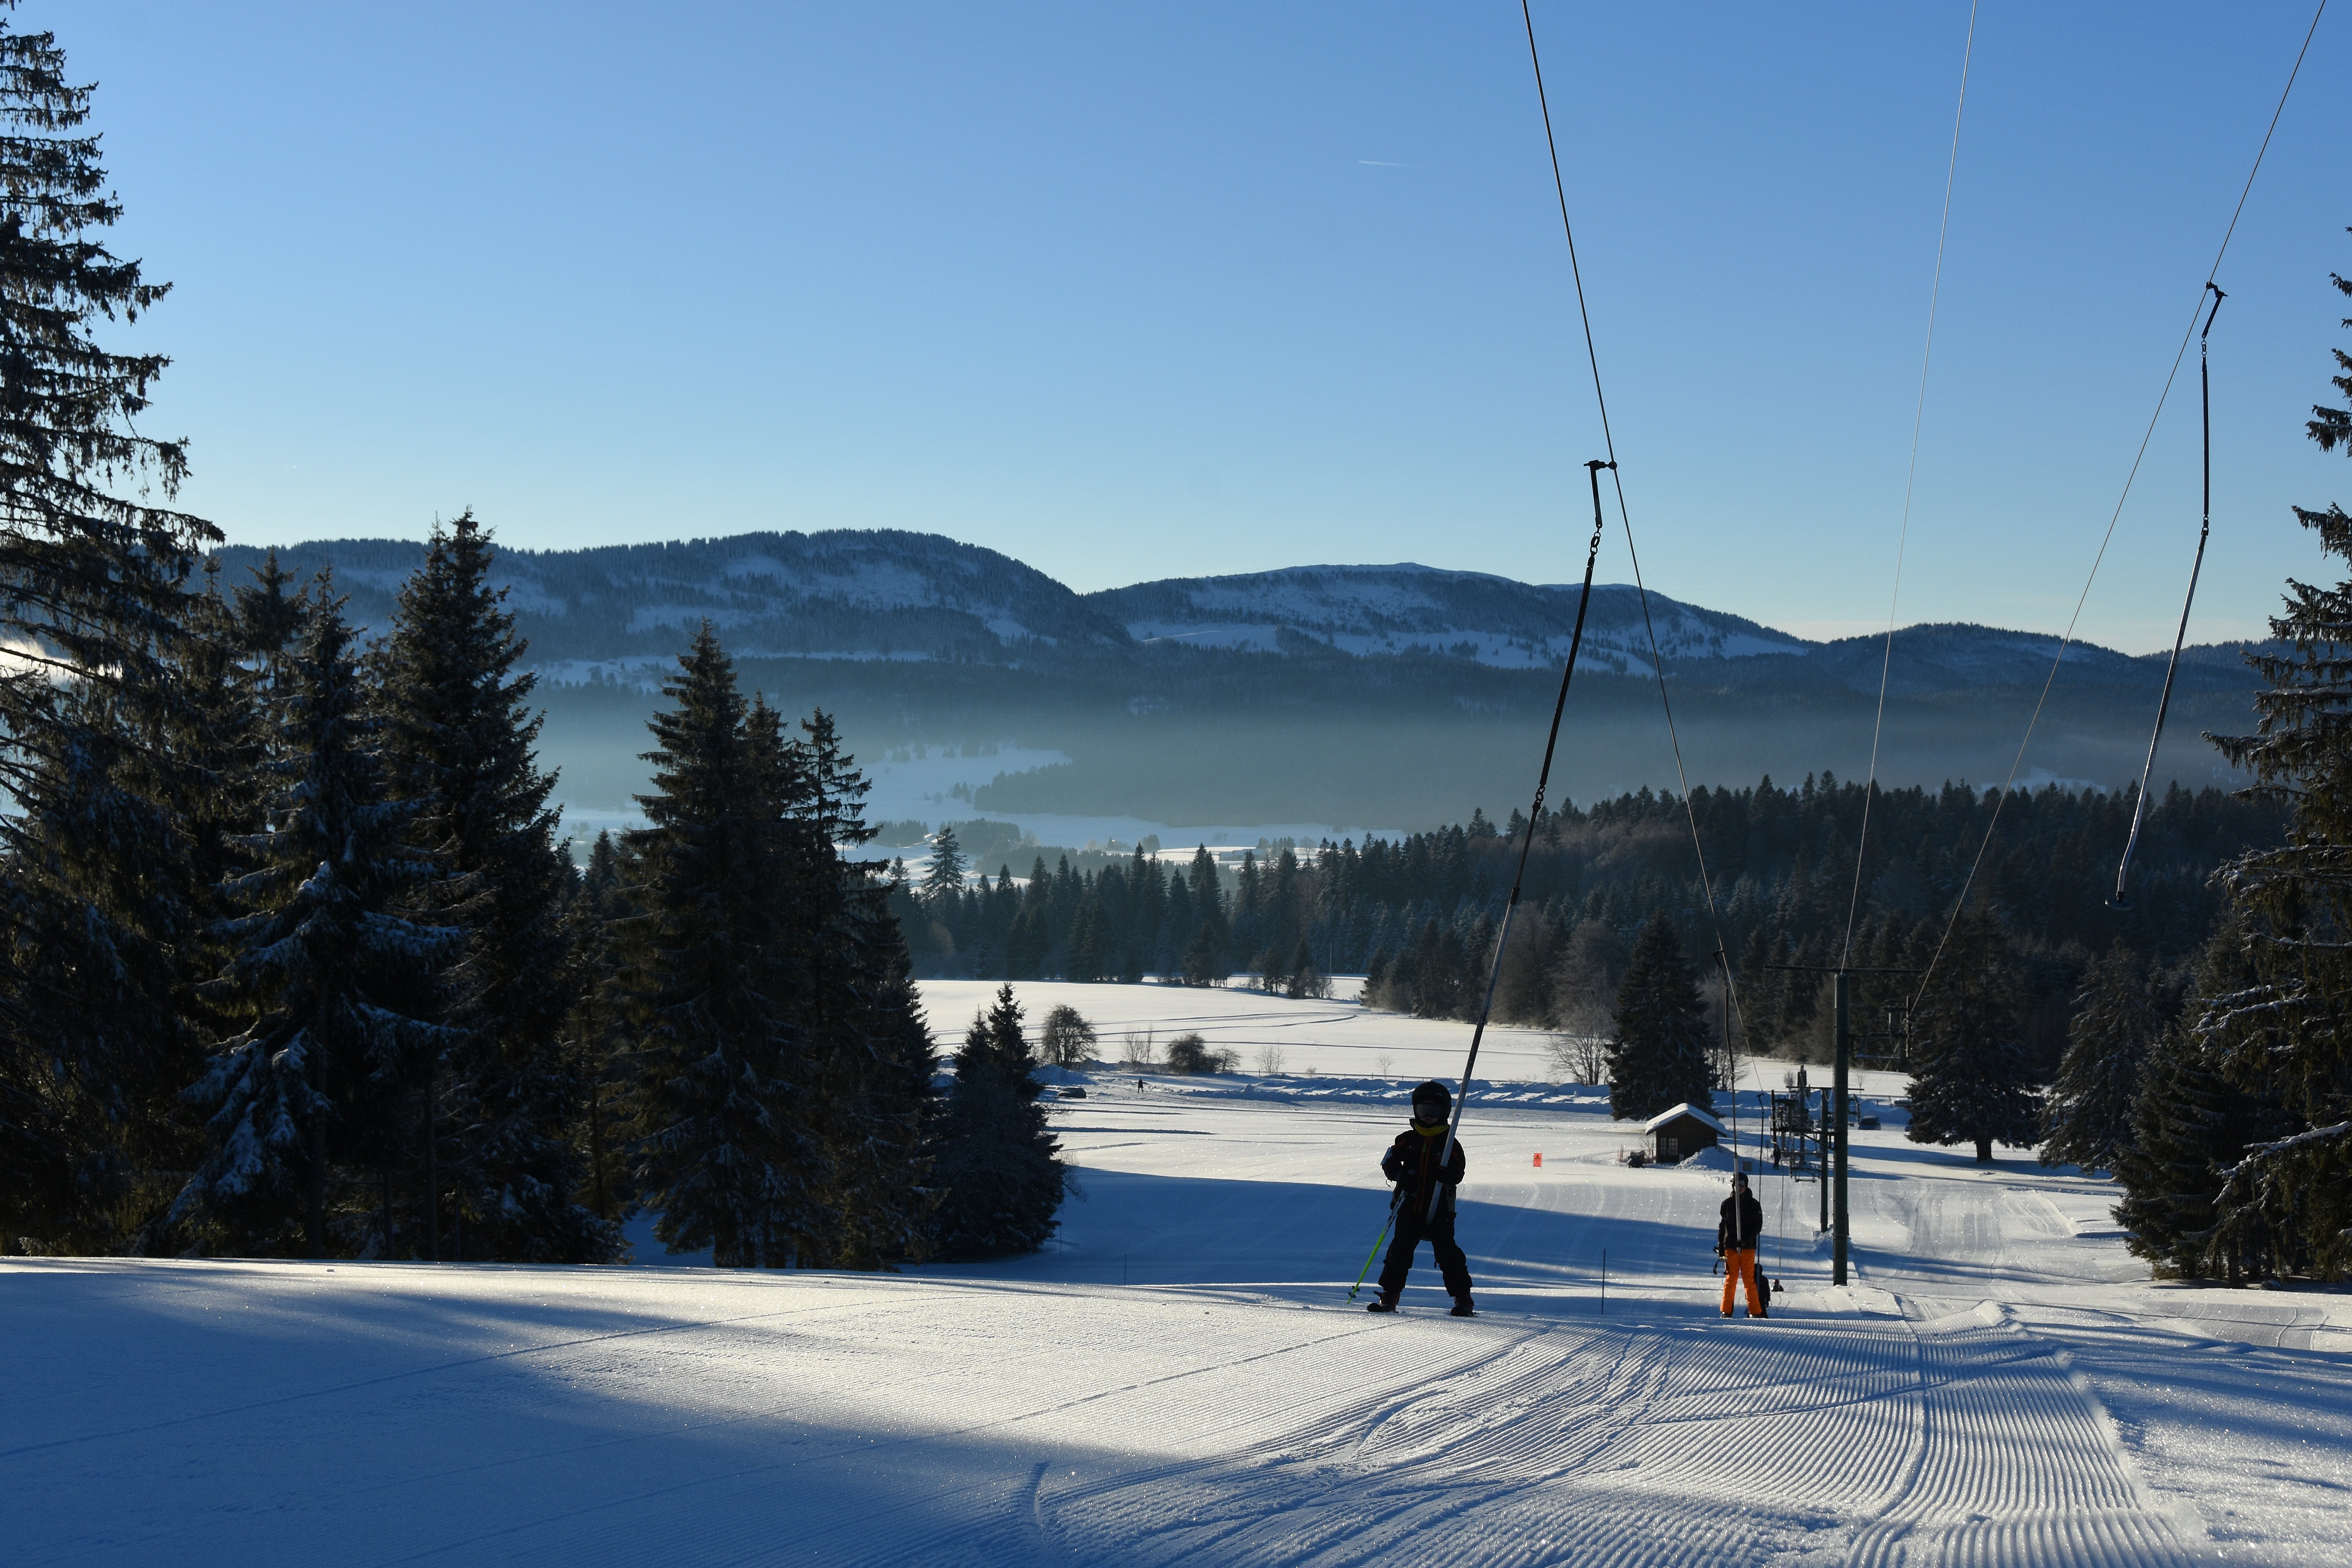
{"x":1735,"y":1237}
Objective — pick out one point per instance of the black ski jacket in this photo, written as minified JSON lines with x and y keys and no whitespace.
{"x":1411,"y":1163}
{"x":1742,"y":1222}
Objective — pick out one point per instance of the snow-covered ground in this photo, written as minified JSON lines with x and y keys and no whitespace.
{"x":1180,"y":1378}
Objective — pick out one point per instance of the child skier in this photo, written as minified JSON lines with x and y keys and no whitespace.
{"x":1412,"y":1163}
{"x":1735,"y":1236}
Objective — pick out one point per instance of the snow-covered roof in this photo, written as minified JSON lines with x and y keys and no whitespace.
{"x":1685,"y":1109}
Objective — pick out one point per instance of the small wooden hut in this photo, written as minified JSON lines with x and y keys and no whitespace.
{"x":1678,"y":1133}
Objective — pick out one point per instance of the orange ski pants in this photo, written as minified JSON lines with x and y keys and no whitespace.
{"x":1740,"y":1269}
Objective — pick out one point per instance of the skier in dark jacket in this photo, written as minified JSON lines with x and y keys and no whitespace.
{"x":1735,"y":1236}
{"x":1412,"y":1163}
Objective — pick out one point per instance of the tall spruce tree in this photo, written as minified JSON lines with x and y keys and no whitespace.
{"x":2190,"y":1125}
{"x":2120,"y":1013}
{"x":603,"y":1048}
{"x":459,"y":734}
{"x":2288,"y":1034}
{"x":944,"y":877}
{"x":1974,"y":1082}
{"x":723,"y":1150}
{"x":1001,"y":1168}
{"x":329,"y":968}
{"x":1658,"y":1048}
{"x":98,"y":876}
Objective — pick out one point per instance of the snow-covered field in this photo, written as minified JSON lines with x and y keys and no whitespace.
{"x":1181,"y":1379}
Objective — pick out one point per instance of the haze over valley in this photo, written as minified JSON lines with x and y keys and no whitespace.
{"x":1335,"y":698}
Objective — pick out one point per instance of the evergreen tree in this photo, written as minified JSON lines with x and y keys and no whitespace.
{"x":869,"y":1053}
{"x":2121,"y":1012}
{"x":2287,"y":1035}
{"x":601,"y":1046}
{"x":325,"y":963}
{"x":99,"y":878}
{"x":2189,"y":1126}
{"x":723,"y":1150}
{"x":1305,"y":979}
{"x":1001,"y":1168}
{"x":459,"y":734}
{"x":886,"y":1198}
{"x":944,"y":880}
{"x":1974,"y":1082}
{"x":1658,"y":1049}
{"x":1204,"y":961}
{"x":1587,"y":977}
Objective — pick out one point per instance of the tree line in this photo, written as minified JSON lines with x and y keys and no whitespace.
{"x":291,"y":959}
{"x":1418,"y":915}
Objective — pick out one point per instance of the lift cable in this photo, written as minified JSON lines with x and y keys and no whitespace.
{"x":1616,"y":479}
{"x":2196,"y":568}
{"x":1910,"y":479}
{"x":2009,"y":783}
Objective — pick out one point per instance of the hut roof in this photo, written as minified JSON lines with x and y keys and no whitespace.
{"x":1685,"y":1109}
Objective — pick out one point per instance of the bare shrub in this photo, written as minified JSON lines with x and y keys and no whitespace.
{"x":1190,"y":1054}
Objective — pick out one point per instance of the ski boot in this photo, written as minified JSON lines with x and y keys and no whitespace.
{"x":1380,"y":1304}
{"x":1462,"y":1308}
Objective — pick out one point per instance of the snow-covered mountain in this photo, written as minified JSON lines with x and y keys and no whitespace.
{"x":841,"y":594}
{"x":622,"y":612}
{"x":1408,"y":609}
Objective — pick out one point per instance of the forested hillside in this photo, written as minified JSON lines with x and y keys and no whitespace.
{"x":1421,"y":911}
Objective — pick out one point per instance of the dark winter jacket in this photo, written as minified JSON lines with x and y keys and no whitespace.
{"x":1740,"y":1226}
{"x":1411,"y":1162}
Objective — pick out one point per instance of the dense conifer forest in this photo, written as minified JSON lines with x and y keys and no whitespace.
{"x":1418,"y":915}
{"x":291,"y":959}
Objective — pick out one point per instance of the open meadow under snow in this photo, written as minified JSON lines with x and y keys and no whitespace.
{"x":1180,"y":1378}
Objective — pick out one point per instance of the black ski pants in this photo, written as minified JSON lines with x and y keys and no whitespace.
{"x":1412,"y":1229}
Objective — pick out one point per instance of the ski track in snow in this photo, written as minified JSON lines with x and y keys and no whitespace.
{"x":1181,"y":1379}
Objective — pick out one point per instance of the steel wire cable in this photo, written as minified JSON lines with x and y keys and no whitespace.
{"x":2188,"y":334}
{"x":1657,"y":663}
{"x":1910,"y":479}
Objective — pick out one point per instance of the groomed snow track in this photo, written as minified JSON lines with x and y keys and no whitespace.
{"x":570,"y":1416}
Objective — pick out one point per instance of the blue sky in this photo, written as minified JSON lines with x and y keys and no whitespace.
{"x":1141,"y":291}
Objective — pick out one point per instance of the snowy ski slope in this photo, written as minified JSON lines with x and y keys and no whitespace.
{"x":1180,"y":1380}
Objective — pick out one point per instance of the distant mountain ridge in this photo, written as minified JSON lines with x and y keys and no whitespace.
{"x":1410,"y":608}
{"x":620,"y":613}
{"x":1400,"y":695}
{"x":844,"y":593}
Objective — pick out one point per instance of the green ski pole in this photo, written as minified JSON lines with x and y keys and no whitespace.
{"x":1375,"y":1252}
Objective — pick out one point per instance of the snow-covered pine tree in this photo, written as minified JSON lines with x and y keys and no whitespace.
{"x":724,"y":1150}
{"x":861,"y":1015}
{"x":268,"y":622}
{"x":944,"y":877}
{"x":94,"y":869}
{"x":459,"y":734}
{"x":880,"y":1152}
{"x":2288,"y":1034}
{"x":2190,"y":1124}
{"x":1973,"y":1081}
{"x":1658,"y":1053}
{"x":326,"y":964}
{"x":2121,"y":1011}
{"x":1001,"y":1168}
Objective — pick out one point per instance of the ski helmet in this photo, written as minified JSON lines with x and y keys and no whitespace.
{"x":1432,"y":1103}
{"x":1739,"y":1178}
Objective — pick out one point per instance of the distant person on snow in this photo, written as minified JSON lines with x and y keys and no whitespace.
{"x":1735,"y":1237}
{"x":1412,"y":1163}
